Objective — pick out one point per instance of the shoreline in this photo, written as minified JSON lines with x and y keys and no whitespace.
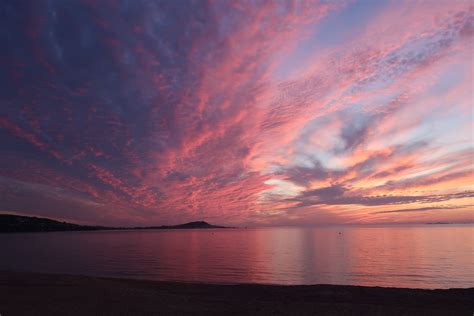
{"x":25,"y":293}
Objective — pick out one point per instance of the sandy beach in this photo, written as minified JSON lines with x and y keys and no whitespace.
{"x":48,"y":294}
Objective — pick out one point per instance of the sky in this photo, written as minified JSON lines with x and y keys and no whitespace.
{"x":255,"y":113}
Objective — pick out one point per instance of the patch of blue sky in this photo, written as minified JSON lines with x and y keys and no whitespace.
{"x":333,"y":30}
{"x":450,"y":78}
{"x":451,"y":128}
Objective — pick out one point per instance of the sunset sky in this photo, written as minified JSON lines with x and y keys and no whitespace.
{"x":237,"y":112}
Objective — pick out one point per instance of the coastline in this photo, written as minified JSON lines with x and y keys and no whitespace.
{"x":23,"y":293}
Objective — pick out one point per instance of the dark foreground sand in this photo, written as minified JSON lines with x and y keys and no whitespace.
{"x":42,"y":294}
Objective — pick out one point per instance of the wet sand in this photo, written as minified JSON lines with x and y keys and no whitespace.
{"x":47,"y":294}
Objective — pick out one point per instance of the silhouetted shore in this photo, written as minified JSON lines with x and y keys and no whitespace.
{"x":43,"y":294}
{"x":10,"y":223}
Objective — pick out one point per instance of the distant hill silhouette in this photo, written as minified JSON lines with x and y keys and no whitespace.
{"x":198,"y":224}
{"x":16,"y":223}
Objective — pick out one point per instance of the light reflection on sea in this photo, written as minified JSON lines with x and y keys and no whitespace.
{"x":419,"y":256}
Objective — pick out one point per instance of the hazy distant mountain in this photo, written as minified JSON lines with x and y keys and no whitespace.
{"x":15,"y":223}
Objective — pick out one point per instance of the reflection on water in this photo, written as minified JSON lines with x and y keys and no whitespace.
{"x":424,"y":256}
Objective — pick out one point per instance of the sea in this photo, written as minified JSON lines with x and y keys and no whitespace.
{"x":412,"y":256}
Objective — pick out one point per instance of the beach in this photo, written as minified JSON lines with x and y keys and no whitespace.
{"x":50,"y":294}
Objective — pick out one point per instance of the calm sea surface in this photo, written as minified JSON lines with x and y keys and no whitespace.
{"x":424,"y":256}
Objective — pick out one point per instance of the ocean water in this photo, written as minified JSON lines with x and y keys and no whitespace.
{"x":419,"y":256}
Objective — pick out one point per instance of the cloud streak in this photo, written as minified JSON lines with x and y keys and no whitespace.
{"x":422,"y":209}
